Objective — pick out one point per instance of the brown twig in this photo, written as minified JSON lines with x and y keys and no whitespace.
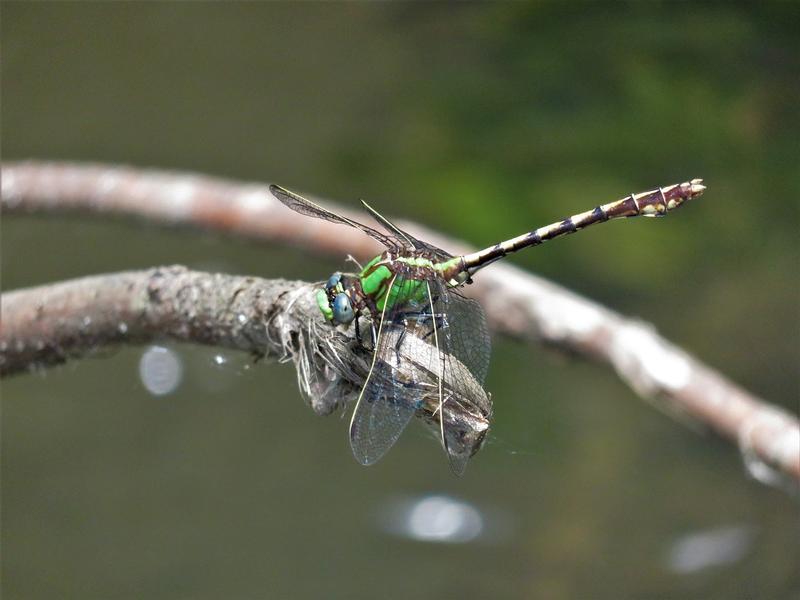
{"x":47,"y":325}
{"x":517,"y":303}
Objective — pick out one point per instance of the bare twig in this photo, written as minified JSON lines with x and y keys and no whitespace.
{"x":48,"y":325}
{"x":517,"y":303}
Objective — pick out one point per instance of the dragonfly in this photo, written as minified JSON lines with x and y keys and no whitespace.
{"x":430,"y":345}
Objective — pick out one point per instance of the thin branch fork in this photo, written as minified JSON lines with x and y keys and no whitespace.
{"x":518,"y":304}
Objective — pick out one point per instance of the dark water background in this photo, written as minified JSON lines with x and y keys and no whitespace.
{"x":481,"y":120}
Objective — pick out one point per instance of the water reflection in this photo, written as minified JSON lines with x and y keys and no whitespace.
{"x":434,"y":518}
{"x":697,"y":551}
{"x":160,"y":370}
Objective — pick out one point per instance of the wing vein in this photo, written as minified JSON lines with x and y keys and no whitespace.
{"x":440,"y":365}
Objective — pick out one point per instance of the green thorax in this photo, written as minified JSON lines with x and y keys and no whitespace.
{"x":409,"y":274}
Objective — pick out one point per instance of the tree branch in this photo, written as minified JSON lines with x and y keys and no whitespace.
{"x":47,"y":325}
{"x":517,"y":303}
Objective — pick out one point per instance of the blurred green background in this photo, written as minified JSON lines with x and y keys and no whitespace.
{"x":481,"y":120}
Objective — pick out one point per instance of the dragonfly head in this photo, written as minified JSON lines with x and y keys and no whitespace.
{"x":334,"y":301}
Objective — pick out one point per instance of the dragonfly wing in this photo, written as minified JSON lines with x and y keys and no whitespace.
{"x":391,"y":394}
{"x":382,"y":413}
{"x":307,"y":207}
{"x":431,"y":352}
{"x":466,"y":333}
{"x":409,"y":240}
{"x":464,"y":348}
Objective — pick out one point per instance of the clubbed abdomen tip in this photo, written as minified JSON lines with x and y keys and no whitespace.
{"x":696,"y":187}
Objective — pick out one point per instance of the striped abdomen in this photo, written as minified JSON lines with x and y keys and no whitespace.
{"x":655,"y":203}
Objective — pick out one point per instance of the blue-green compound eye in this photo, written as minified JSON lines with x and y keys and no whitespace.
{"x":342,"y":309}
{"x":333,"y":281}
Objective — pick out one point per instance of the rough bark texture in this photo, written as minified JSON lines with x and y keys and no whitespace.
{"x":47,"y":325}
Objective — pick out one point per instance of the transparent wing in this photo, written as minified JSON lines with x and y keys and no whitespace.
{"x":409,"y":240}
{"x":306,"y":207}
{"x":395,"y":387}
{"x":383,"y":412}
{"x":464,"y":348}
{"x":466,"y":333}
{"x":432,"y":353}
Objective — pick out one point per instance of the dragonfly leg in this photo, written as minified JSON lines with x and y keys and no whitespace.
{"x":373,"y":309}
{"x":440,"y":321}
{"x":399,"y":343}
{"x":358,"y":331}
{"x":351,"y":259}
{"x":374,"y":333}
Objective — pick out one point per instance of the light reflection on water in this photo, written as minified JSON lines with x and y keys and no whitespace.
{"x":160,"y":370}
{"x":710,"y":548}
{"x":436,"y":518}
